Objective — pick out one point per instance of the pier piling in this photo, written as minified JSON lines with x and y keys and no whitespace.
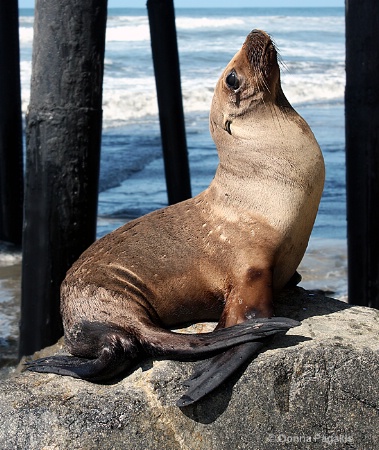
{"x":63,"y":154}
{"x":167,"y":77}
{"x":11,"y":161}
{"x":362,"y":150}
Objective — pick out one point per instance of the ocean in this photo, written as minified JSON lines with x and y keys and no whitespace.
{"x":311,"y":43}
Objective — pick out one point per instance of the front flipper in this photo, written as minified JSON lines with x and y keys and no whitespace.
{"x":213,"y":372}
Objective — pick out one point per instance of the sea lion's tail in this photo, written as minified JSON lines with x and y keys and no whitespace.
{"x":103,"y":351}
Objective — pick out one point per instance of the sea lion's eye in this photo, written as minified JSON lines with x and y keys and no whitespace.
{"x":232,"y":80}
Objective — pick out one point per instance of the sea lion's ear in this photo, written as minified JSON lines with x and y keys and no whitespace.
{"x":232,"y":80}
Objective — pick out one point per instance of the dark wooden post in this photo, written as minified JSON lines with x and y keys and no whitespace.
{"x":63,"y":154}
{"x":362,"y":150}
{"x":11,"y":165}
{"x":167,"y":76}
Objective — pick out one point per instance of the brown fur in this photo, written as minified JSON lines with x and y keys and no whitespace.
{"x":219,"y":256}
{"x":194,"y":261}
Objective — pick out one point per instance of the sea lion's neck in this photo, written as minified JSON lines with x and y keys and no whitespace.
{"x":269,"y":174}
{"x":271,"y":145}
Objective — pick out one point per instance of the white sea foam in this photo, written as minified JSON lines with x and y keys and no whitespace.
{"x":9,"y":259}
{"x":310,"y":51}
{"x":188,"y":23}
{"x":129,"y":33}
{"x":8,"y":255}
{"x":300,"y":89}
{"x":312,"y":72}
{"x":275,"y":23}
{"x":120,"y":106}
{"x":116,"y":20}
{"x":122,"y":103}
{"x":26,"y":35}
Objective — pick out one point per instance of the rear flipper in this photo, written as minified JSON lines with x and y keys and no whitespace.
{"x":103,"y":351}
{"x":212,"y":373}
{"x":108,"y":349}
{"x":65,"y":365}
{"x":103,"y":368}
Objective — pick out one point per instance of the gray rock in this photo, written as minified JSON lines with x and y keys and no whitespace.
{"x":316,"y":387}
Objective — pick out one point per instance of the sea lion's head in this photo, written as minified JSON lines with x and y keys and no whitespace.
{"x":249,"y":85}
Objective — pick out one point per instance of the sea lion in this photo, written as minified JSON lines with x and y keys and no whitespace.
{"x":222,"y":255}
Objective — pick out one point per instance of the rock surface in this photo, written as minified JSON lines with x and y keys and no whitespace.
{"x":316,"y":387}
